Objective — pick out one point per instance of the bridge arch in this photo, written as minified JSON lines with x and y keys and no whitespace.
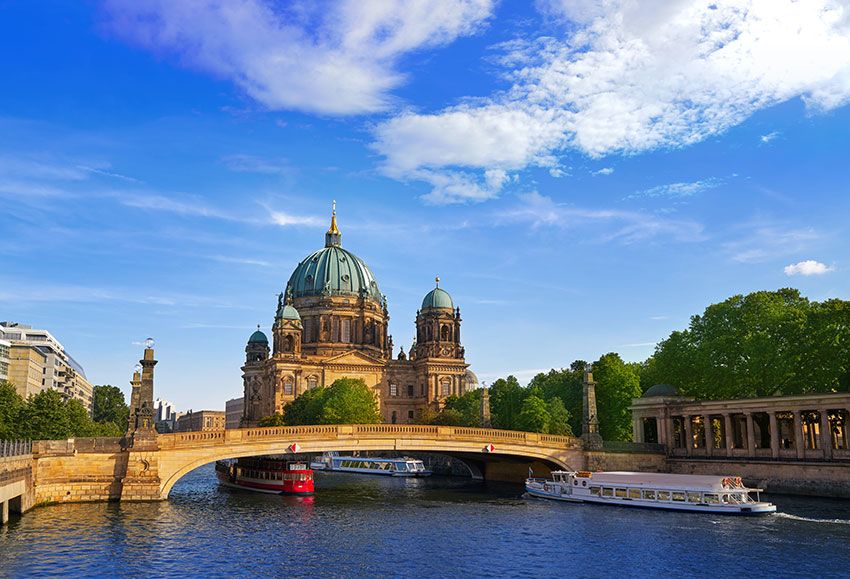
{"x":180,"y":453}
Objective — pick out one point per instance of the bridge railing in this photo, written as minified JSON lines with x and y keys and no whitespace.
{"x":10,"y":448}
{"x":340,"y":431}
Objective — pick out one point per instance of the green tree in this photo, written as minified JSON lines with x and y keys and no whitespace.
{"x":11,"y":408}
{"x":761,"y":344}
{"x":506,"y":399}
{"x":305,"y":409}
{"x":79,"y":421}
{"x":449,"y":417}
{"x":426,"y":415}
{"x":534,"y":415}
{"x":566,"y":384}
{"x":617,"y":384}
{"x":275,"y":419}
{"x":108,"y":405}
{"x":467,"y":406}
{"x":349,"y":401}
{"x":45,"y":417}
{"x":559,"y":418}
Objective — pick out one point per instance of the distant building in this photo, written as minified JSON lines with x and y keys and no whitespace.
{"x":233,"y":410}
{"x":165,"y":416}
{"x":27,"y":366}
{"x":5,"y":352}
{"x":29,"y":347}
{"x":200,"y":420}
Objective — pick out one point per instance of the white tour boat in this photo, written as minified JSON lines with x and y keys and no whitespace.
{"x":403,"y":466}
{"x":678,"y":492}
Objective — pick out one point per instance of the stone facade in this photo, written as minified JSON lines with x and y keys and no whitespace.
{"x":331,"y":322}
{"x":201,"y":420}
{"x":809,"y":427}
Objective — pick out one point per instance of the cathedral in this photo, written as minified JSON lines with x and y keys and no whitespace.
{"x":331,"y":322}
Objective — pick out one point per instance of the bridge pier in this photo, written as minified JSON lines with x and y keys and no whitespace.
{"x":141,"y":481}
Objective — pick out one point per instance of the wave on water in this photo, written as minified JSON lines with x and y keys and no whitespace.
{"x":810,"y":520}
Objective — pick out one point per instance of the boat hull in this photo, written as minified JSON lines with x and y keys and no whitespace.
{"x":739,"y":510}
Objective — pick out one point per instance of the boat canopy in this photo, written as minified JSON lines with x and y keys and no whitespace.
{"x":661,"y":480}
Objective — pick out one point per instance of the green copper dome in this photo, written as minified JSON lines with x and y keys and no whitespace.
{"x":333,"y":271}
{"x":258,"y":338}
{"x":438,"y":298}
{"x":287,"y":312}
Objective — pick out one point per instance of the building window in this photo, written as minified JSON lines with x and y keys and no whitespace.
{"x":394,"y":417}
{"x":422,"y":389}
{"x":346,"y":331}
{"x":393,"y":390}
{"x":312,"y":382}
{"x":287,"y":386}
{"x":445,"y":387}
{"x":410,"y":390}
{"x":410,"y":415}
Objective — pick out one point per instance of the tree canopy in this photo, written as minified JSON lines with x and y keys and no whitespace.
{"x":47,"y":416}
{"x":760,"y":344}
{"x":108,"y":405}
{"x":346,"y":401}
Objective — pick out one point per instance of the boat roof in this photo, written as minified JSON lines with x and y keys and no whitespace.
{"x":660,"y":480}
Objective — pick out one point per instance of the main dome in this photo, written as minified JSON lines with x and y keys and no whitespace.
{"x":333,"y":271}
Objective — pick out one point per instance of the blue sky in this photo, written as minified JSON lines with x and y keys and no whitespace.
{"x":583,"y":176}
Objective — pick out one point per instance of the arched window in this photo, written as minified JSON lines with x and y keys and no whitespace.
{"x":288,"y":386}
{"x":312,"y":382}
{"x":289,"y":344}
{"x":445,"y":387}
{"x":444,"y":333}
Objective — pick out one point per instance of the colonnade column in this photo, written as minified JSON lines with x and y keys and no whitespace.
{"x":637,"y":430}
{"x":4,"y":513}
{"x":825,"y":433}
{"x":751,"y":435}
{"x":727,"y":431}
{"x":689,"y":435}
{"x":798,"y":435}
{"x":708,"y":434}
{"x":774,"y":435}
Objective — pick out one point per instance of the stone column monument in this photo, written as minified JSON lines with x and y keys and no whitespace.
{"x":590,"y":424}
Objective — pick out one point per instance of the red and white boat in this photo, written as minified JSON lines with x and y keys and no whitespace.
{"x":266,"y":475}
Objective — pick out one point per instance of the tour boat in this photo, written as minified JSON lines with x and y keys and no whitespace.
{"x":403,"y":466}
{"x":678,"y":492}
{"x":266,"y":475}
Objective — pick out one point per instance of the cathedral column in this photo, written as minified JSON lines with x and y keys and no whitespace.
{"x":751,"y":434}
{"x":728,"y":435}
{"x":689,"y":434}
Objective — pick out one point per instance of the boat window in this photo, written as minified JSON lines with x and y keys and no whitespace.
{"x":584,"y":483}
{"x":694,"y":498}
{"x":679,"y":496}
{"x":634,"y":493}
{"x":649,"y":495}
{"x":663,"y":495}
{"x":620,"y":493}
{"x":594,"y":491}
{"x":712,"y":499}
{"x":606,"y":492}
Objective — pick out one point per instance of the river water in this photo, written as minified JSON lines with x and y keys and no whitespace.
{"x":360,"y":525}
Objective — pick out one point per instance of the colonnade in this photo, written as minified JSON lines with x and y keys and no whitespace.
{"x":801,"y":428}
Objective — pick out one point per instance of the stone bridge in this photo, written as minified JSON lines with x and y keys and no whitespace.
{"x":103,"y":469}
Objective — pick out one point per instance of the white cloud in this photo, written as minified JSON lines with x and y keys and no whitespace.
{"x":624,"y":226}
{"x":678,"y":190}
{"x":628,"y":76}
{"x":253,"y":164}
{"x":285,"y":219}
{"x":808,"y":267}
{"x":334,"y":58}
{"x":769,"y":137}
{"x":766,"y":241}
{"x":604,"y":171}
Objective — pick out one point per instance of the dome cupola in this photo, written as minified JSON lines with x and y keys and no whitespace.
{"x":437,"y":298}
{"x":258,"y":337}
{"x":333,"y":270}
